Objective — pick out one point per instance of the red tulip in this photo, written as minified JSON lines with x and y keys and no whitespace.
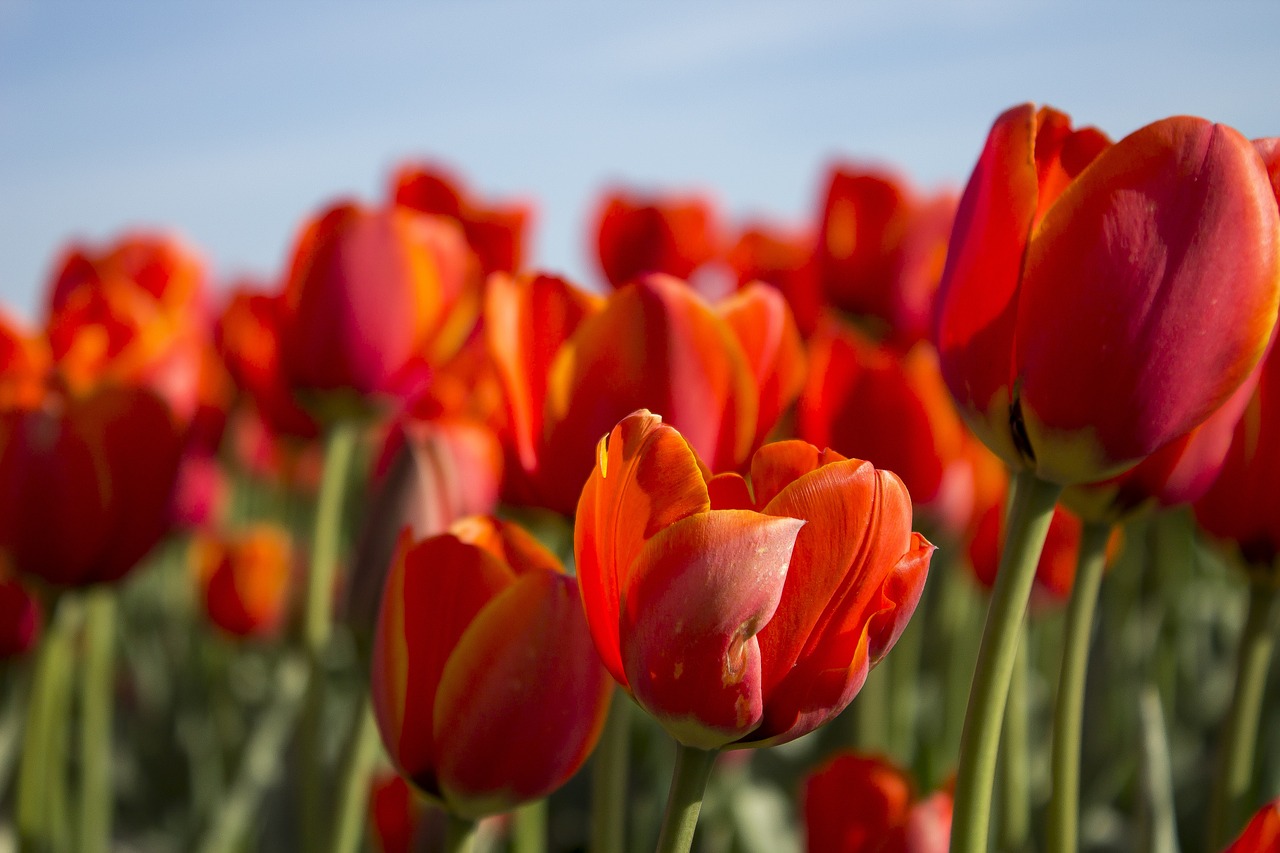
{"x":20,"y":619}
{"x":485,"y":686}
{"x":784,"y":259}
{"x":637,"y":235}
{"x":1262,"y":835}
{"x":880,"y":249}
{"x":496,"y":233}
{"x":374,"y":299}
{"x":742,"y":613}
{"x":244,"y":578}
{"x":1101,"y":300}
{"x":864,"y":804}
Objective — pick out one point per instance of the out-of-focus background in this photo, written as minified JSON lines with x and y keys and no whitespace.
{"x":229,"y":122}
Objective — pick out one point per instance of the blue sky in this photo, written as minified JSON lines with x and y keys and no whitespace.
{"x":230,"y":122}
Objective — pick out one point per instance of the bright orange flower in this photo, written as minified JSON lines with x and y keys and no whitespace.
{"x":373,"y":300}
{"x":638,"y":234}
{"x":742,"y":612}
{"x":497,"y":233}
{"x":1262,"y":835}
{"x":1101,"y":300}
{"x":880,"y":249}
{"x":245,"y":578}
{"x":915,"y":431}
{"x":485,"y":686}
{"x":572,"y":365}
{"x":865,"y":804}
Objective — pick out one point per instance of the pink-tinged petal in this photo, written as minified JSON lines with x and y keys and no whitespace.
{"x":699,"y":593}
{"x":433,"y":592}
{"x":978,"y":297}
{"x":522,"y":699}
{"x":900,"y":595}
{"x":657,"y":345}
{"x":510,"y":543}
{"x":526,"y":321}
{"x":1149,"y":294}
{"x":646,"y":478}
{"x":929,"y":824}
{"x":762,"y":321}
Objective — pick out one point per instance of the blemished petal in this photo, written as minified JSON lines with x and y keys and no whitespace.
{"x":1149,"y":294}
{"x":977,"y":301}
{"x":646,"y":478}
{"x":522,"y":699}
{"x":432,"y":593}
{"x":700,"y":591}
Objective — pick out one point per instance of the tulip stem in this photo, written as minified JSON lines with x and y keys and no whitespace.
{"x":1028,"y":525}
{"x":609,"y":778}
{"x":1015,"y":814}
{"x":1240,"y":734}
{"x":684,"y":802}
{"x":317,"y":623}
{"x":459,"y":834}
{"x":359,"y":755}
{"x":1068,"y":714}
{"x":95,"y":721}
{"x":529,"y":828}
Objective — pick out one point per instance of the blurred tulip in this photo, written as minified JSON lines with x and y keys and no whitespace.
{"x":20,"y":618}
{"x":374,"y":299}
{"x":1101,"y":300}
{"x":783,"y":259}
{"x":396,"y":814}
{"x":497,"y":233}
{"x":1056,"y":570}
{"x":245,"y":578}
{"x":880,"y":250}
{"x":863,"y":804}
{"x":638,"y":234}
{"x":1262,"y":835}
{"x":202,"y":492}
{"x":485,"y":686}
{"x":871,"y":401}
{"x":572,"y":366}
{"x":742,"y":613}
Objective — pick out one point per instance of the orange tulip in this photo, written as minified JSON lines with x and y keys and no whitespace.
{"x":782,"y":258}
{"x":638,"y":234}
{"x":244,"y":578}
{"x":485,"y":686}
{"x":1101,"y":300}
{"x":496,"y":233}
{"x":1262,"y":835}
{"x":374,"y":299}
{"x":864,"y":804}
{"x":742,"y":612}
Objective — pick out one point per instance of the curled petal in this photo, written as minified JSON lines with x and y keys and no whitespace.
{"x":900,"y":595}
{"x":700,"y":592}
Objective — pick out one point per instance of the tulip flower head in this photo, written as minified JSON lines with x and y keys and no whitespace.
{"x":865,"y":804}
{"x":485,"y":686}
{"x":1262,"y":835}
{"x":742,"y":612}
{"x":1101,"y":300}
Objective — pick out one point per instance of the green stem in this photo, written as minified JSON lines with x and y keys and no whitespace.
{"x":684,"y":802}
{"x":317,"y":624}
{"x":1240,"y":735}
{"x":459,"y":834}
{"x":871,"y":711}
{"x":610,"y":768}
{"x":1160,"y":822}
{"x":95,"y":721}
{"x":979,"y":745}
{"x":262,"y":760}
{"x":41,"y":770}
{"x":529,"y":828}
{"x":904,"y":679}
{"x":358,"y":758}
{"x":1068,"y":713}
{"x":1015,"y":812}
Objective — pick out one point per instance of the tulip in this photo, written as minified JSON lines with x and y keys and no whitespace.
{"x":880,"y":250}
{"x":244,"y":579}
{"x":374,"y":299}
{"x":637,"y":235}
{"x":1081,"y":278}
{"x":20,"y":619}
{"x":864,"y":804}
{"x":1262,"y":833}
{"x":485,"y":686}
{"x":742,"y":612}
{"x":782,"y":258}
{"x":497,"y":233}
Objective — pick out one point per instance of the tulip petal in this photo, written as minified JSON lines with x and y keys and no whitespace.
{"x":778,"y":464}
{"x":522,"y":699}
{"x":1169,"y":233}
{"x":510,"y":543}
{"x":762,"y":321}
{"x":700,"y":591}
{"x":900,"y":595}
{"x":646,"y":478}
